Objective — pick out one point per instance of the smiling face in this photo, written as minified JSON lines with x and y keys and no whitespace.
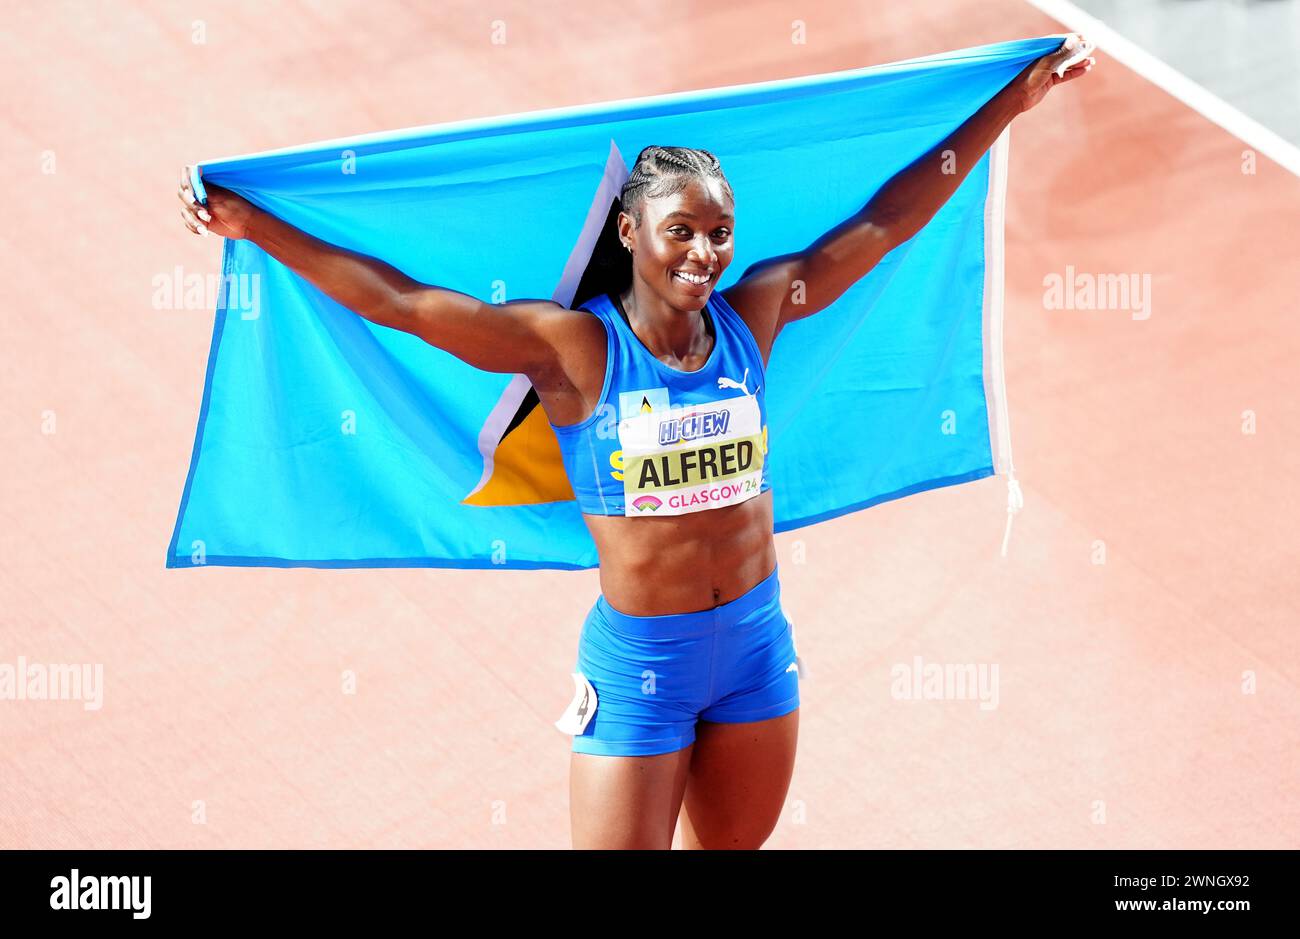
{"x":684,"y":241}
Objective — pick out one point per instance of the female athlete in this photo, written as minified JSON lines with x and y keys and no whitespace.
{"x":690,"y":705}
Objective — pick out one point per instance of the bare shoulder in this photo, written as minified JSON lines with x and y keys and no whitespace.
{"x":575,"y":335}
{"x":759,"y":296}
{"x":568,"y":337}
{"x":570,"y":381}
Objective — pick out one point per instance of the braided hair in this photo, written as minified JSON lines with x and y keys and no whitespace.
{"x":658,"y":171}
{"x":665,"y":171}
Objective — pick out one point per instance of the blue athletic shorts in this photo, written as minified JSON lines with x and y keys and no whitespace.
{"x":655,"y":676}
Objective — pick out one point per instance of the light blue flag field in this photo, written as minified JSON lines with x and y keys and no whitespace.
{"x":325,"y":440}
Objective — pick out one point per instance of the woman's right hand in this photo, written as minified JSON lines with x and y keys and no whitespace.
{"x":224,"y":214}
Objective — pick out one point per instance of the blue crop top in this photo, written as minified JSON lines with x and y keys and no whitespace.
{"x":666,"y":442}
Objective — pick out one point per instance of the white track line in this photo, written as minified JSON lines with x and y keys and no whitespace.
{"x":1250,"y":131}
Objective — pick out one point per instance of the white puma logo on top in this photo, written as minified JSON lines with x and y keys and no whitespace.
{"x":732,"y":383}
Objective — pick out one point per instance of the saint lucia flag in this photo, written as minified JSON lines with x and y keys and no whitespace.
{"x":325,"y":440}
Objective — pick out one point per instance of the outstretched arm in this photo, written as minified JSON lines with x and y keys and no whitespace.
{"x":774,"y":292}
{"x":517,"y":337}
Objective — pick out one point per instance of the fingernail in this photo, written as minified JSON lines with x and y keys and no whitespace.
{"x":204,"y":229}
{"x":203,"y":214}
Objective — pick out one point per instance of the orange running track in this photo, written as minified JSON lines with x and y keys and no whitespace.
{"x":1147,"y":701}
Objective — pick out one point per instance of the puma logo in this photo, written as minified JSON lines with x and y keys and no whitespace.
{"x":725,"y":382}
{"x":792,"y":667}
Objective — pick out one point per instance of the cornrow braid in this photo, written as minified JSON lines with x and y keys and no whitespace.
{"x":665,"y":171}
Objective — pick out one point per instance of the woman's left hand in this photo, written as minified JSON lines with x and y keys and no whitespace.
{"x":1041,"y":75}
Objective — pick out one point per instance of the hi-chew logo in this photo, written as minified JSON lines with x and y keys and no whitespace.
{"x":694,"y":426}
{"x":75,"y":892}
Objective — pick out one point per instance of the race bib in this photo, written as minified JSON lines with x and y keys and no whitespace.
{"x":692,"y":457}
